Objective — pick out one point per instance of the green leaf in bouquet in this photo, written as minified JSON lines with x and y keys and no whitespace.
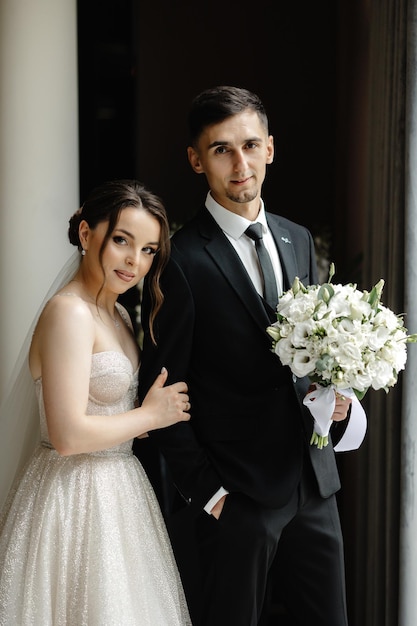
{"x":360,"y":394}
{"x":326,"y":292}
{"x":325,"y":362}
{"x":375,"y":294}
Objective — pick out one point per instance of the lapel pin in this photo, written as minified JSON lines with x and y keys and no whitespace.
{"x":285,"y":240}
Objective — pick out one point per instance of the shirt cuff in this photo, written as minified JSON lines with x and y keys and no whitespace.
{"x":214,"y":499}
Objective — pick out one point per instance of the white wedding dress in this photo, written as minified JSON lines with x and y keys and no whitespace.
{"x":82,"y":538}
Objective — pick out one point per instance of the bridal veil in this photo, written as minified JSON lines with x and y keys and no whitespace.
{"x":19,"y":417}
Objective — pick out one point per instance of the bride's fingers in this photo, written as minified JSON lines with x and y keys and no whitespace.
{"x":187,"y":407}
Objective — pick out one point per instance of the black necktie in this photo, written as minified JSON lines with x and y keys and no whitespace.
{"x":254,"y":231}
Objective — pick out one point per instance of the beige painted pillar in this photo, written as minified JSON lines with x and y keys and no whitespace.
{"x":39,"y":187}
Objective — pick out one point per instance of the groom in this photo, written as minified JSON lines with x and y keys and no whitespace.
{"x":264,"y":494}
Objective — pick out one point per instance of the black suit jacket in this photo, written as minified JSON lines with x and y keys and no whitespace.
{"x":249,"y":430}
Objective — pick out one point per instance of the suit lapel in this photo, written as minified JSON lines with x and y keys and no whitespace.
{"x":227,"y":260}
{"x":285,"y":248}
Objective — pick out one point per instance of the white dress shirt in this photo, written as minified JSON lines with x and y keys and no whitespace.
{"x":234,"y":227}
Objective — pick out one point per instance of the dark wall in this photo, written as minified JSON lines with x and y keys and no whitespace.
{"x":284,"y":51}
{"x":106,"y":70}
{"x":142,"y":62}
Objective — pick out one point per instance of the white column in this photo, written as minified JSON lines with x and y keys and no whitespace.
{"x":39,"y":187}
{"x":408,"y":528}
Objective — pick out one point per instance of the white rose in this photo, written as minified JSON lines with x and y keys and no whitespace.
{"x":340,"y":305}
{"x":378,"y":337}
{"x":297,"y":310}
{"x":387,"y":318}
{"x":382,"y":374}
{"x":360,"y":380}
{"x":349,"y":352}
{"x":395,"y":353}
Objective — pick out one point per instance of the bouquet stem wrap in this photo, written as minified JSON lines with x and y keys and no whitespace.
{"x":321,"y":404}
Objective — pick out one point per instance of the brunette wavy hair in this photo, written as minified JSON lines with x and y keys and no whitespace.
{"x":104,"y":204}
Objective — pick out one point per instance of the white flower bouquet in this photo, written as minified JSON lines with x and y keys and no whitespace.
{"x":340,"y":338}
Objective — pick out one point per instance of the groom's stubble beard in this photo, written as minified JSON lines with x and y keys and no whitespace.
{"x":243,"y":197}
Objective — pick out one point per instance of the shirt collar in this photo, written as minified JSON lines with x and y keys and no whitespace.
{"x":232,"y":224}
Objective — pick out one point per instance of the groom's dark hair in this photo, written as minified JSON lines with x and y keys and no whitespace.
{"x":218,"y":103}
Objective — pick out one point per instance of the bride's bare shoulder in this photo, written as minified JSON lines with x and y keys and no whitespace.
{"x":65,"y":321}
{"x":64,"y":301}
{"x":64,"y":311}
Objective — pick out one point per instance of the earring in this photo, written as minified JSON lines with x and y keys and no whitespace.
{"x":83,"y":252}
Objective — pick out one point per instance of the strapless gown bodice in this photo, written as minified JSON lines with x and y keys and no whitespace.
{"x":82,"y":538}
{"x":113,"y":389}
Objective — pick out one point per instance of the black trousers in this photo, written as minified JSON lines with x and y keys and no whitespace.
{"x":303,"y":543}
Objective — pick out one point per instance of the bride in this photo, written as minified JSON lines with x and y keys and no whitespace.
{"x":82,"y":539}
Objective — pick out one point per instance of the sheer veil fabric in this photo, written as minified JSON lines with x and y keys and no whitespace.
{"x":19,"y":414}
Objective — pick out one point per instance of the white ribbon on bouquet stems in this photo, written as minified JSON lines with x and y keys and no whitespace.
{"x":321,"y":403}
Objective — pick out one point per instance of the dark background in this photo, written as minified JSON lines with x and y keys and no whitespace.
{"x":141,"y":63}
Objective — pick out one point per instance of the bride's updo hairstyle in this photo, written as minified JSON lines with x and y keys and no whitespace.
{"x":104,"y":204}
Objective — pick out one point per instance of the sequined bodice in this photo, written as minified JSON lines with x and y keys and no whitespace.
{"x":82,"y":539}
{"x":113,"y":390}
